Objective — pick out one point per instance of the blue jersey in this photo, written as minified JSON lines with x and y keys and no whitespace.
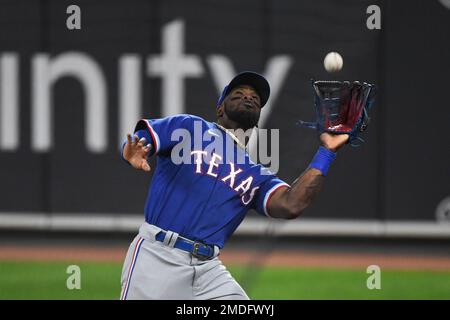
{"x":204,"y":182}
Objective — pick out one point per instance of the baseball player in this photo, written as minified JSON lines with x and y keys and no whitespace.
{"x":194,"y":206}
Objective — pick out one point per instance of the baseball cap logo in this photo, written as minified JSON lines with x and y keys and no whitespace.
{"x":250,"y":78}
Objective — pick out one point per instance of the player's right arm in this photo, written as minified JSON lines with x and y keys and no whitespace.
{"x":153,"y":137}
{"x":136,"y":152}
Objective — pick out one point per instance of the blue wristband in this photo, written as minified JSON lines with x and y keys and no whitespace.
{"x":322,"y":160}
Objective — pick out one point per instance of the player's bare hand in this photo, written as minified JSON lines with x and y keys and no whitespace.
{"x":136,"y":152}
{"x":333,"y":142}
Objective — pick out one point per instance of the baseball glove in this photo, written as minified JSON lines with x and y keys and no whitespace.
{"x":342,"y":107}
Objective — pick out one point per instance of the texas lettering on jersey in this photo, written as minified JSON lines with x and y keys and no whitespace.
{"x":242,"y":188}
{"x":206,"y":196}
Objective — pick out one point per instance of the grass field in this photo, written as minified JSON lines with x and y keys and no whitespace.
{"x":47,"y":280}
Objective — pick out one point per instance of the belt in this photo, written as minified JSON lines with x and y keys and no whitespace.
{"x":197,"y":249}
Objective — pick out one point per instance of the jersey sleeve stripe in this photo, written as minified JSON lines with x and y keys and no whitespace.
{"x":154,"y":135}
{"x":269,"y":195}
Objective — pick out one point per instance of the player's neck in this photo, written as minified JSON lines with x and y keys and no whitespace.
{"x":244,"y":139}
{"x":229,"y":124}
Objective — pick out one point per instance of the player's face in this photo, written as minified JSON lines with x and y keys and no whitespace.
{"x":243,"y":105}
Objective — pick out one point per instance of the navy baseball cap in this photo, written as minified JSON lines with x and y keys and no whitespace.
{"x":252,"y":79}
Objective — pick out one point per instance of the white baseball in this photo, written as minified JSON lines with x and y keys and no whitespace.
{"x":333,"y":62}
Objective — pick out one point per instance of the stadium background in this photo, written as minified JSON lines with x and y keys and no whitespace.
{"x":68,"y":96}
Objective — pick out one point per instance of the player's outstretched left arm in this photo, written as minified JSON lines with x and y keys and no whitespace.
{"x":289,"y":203}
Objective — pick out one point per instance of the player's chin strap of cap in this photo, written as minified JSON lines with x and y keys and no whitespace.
{"x":197,"y":249}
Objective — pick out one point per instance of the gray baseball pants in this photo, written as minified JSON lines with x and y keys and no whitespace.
{"x":157,"y":270}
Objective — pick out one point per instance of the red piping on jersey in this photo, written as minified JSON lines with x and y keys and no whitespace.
{"x":150,"y":129}
{"x":270,"y":196}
